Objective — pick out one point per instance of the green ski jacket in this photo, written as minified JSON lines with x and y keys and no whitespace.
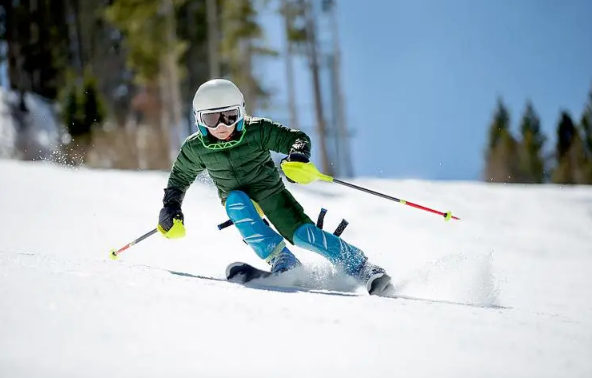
{"x":246,"y":166}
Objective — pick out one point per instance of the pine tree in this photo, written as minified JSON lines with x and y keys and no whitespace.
{"x":92,"y":106}
{"x":141,"y":24}
{"x":565,"y":134}
{"x":570,"y":153}
{"x":82,"y":113}
{"x":73,"y":118}
{"x":531,"y":161}
{"x":36,"y":45}
{"x":586,"y":124}
{"x":501,"y":122}
{"x":72,"y":115}
{"x":502,"y":152}
{"x":586,"y":128}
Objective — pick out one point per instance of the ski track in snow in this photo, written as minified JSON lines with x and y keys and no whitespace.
{"x":504,"y":293}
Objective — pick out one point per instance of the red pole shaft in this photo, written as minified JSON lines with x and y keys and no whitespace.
{"x":149,"y":233}
{"x":428,"y":209}
{"x":394,"y":199}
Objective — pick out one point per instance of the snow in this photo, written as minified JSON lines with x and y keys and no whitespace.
{"x":505,"y":292}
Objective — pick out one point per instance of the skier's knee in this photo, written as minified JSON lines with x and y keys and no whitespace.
{"x":235,"y":199}
{"x":238,"y":202}
{"x":335,"y":249}
{"x":255,"y":232}
{"x":307,"y":234}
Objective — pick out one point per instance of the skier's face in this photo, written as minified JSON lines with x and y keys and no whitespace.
{"x":222,"y":132}
{"x":220,"y":122}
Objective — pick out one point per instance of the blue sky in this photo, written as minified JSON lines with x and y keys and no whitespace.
{"x":421,"y":77}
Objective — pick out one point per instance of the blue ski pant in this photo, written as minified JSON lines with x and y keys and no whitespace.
{"x":305,"y":234}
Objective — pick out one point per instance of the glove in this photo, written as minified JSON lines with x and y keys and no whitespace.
{"x":170,"y":222}
{"x":297,"y":157}
{"x":298,"y":169}
{"x":170,"y":219}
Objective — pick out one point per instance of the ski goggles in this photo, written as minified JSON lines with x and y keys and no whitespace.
{"x":227,"y":117}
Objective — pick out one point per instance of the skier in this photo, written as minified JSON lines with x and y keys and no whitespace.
{"x":235,"y":150}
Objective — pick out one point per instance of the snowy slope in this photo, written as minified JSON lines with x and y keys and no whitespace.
{"x":506,"y":292}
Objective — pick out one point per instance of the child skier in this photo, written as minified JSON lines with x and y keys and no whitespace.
{"x":235,"y":150}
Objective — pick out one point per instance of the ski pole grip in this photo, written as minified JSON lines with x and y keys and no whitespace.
{"x":321,"y":218}
{"x":339,"y":230}
{"x":223,"y":225}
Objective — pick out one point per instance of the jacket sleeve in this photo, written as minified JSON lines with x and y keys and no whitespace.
{"x":279,"y":138}
{"x":186,"y":168}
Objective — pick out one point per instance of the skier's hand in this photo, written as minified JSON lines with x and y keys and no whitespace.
{"x":297,"y":156}
{"x":299,"y":169}
{"x":170,"y":222}
{"x":294,"y":156}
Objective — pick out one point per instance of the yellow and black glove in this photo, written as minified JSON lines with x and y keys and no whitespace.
{"x":293,"y":157}
{"x":170,"y":222}
{"x":298,"y":168}
{"x":170,"y":219}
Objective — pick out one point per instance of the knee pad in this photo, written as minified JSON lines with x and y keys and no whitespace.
{"x":238,"y":200}
{"x":332,"y":247}
{"x":247,"y":219}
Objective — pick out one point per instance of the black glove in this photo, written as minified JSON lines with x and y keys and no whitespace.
{"x":173,"y":198}
{"x":166,"y":216}
{"x":295,"y":156}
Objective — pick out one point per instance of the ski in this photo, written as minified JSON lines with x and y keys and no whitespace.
{"x":380,"y":286}
{"x":242,"y":272}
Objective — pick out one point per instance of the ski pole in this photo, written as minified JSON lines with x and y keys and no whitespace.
{"x":309,"y":173}
{"x":114,"y":253}
{"x":447,"y":215}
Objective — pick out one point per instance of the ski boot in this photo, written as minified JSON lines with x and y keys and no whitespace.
{"x":283,"y":261}
{"x":375,"y":278}
{"x":348,"y":257}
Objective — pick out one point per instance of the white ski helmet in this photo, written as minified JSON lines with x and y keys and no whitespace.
{"x":218,"y":101}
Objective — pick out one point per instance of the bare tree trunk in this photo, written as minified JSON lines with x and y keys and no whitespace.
{"x":191,"y":64}
{"x":170,"y":92}
{"x":159,"y":138}
{"x":166,"y":114}
{"x":75,"y":34}
{"x":344,"y":154}
{"x":316,"y":81}
{"x":249,"y":84}
{"x":213,"y":39}
{"x":289,"y":53}
{"x":78,"y":27}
